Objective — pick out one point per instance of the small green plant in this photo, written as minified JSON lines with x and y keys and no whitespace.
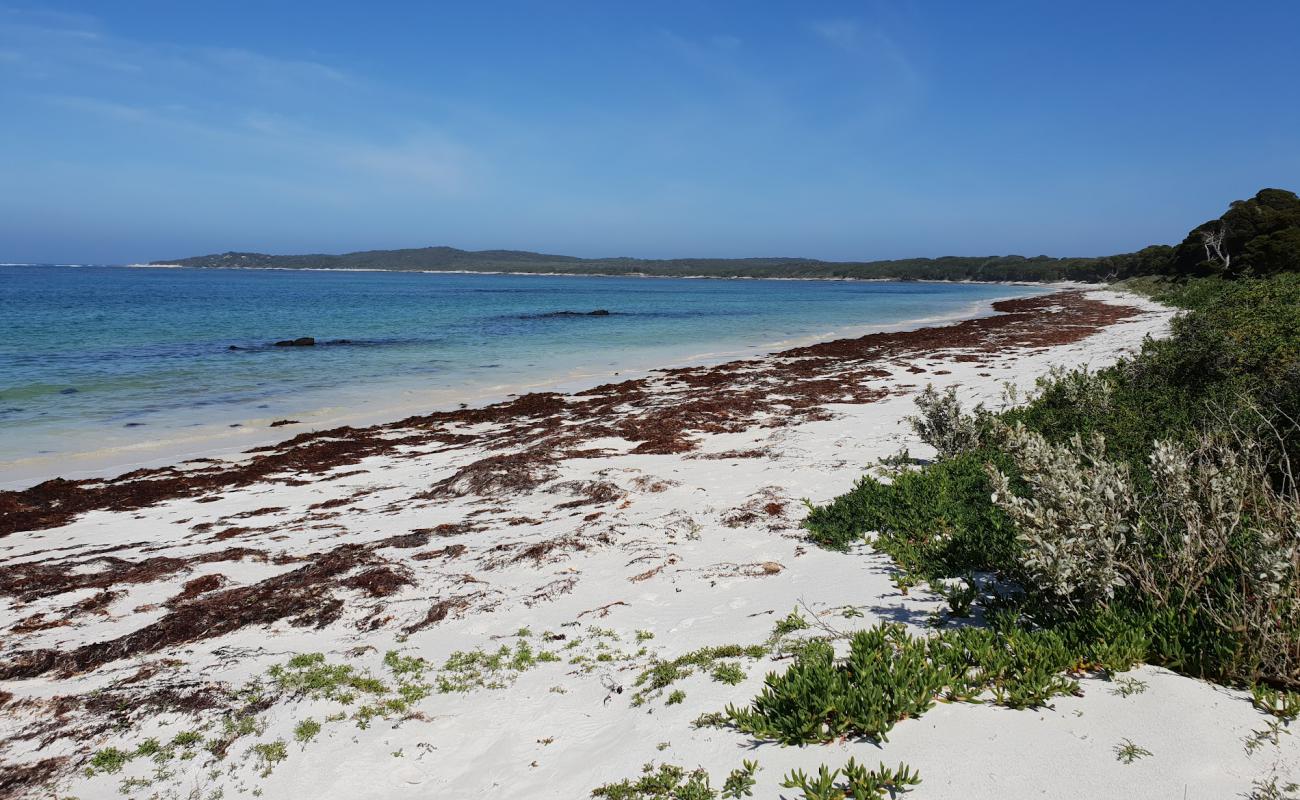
{"x":1127,"y":687}
{"x":269,"y":754}
{"x":728,"y":672}
{"x":661,"y":674}
{"x":740,"y":783}
{"x":1270,"y":790}
{"x":1127,"y":752}
{"x":858,"y":782}
{"x":961,"y":595}
{"x":109,"y":760}
{"x":710,"y":719}
{"x":676,"y":697}
{"x":1269,"y":734}
{"x":903,"y":581}
{"x":1282,"y":704}
{"x":794,"y":621}
{"x":306,"y":730}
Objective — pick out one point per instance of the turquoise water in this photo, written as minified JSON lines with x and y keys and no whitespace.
{"x":98,"y":358}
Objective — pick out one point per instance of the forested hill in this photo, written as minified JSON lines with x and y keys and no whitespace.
{"x":975,"y":268}
{"x":1255,"y":236}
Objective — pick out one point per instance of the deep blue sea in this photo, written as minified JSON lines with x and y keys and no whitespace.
{"x":102,"y":366}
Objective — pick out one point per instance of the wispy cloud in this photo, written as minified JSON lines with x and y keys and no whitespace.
{"x":842,"y":33}
{"x":289,"y":110}
{"x":886,"y":78}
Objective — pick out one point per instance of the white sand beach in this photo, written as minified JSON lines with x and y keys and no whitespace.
{"x":589,"y":537}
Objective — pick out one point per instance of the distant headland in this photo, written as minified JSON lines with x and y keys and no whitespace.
{"x":450,"y":259}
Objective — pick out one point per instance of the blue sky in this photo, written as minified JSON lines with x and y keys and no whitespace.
{"x":844,"y":130}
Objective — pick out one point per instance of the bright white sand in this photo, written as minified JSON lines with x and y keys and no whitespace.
{"x":708,"y":584}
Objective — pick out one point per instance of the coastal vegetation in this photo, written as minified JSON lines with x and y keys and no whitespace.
{"x":1257,"y":236}
{"x":952,"y":268}
{"x":1143,"y":513}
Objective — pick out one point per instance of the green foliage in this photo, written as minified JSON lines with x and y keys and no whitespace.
{"x":1127,"y":687}
{"x":306,"y":730}
{"x":669,"y":782}
{"x":728,"y":672}
{"x":960,"y":595}
{"x":792,"y":622}
{"x":473,"y":669}
{"x":1181,"y":464}
{"x":942,"y":424}
{"x":1284,"y":705}
{"x":662,"y":674}
{"x":858,"y":782}
{"x":974,"y":268}
{"x":935,"y":521}
{"x":269,"y":754}
{"x":310,"y":675}
{"x":1270,"y":789}
{"x":1259,"y":236}
{"x":887,"y":676}
{"x":1126,"y":752}
{"x":109,"y":760}
{"x":890,"y":675}
{"x":740,"y":783}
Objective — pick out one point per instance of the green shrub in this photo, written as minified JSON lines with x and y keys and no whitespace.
{"x":942,"y":424}
{"x":1152,"y":499}
{"x":936,"y":521}
{"x":887,"y":676}
{"x":890,"y":675}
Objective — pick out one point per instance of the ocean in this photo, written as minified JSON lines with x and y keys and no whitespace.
{"x":103,"y":368}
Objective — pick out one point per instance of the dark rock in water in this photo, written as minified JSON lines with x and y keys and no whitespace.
{"x":600,"y":312}
{"x":133,"y":425}
{"x":280,"y":422}
{"x":69,"y":390}
{"x":236,"y":425}
{"x":301,"y":341}
{"x":234,"y":347}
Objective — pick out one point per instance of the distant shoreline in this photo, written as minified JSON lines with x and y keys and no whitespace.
{"x":1046,"y":284}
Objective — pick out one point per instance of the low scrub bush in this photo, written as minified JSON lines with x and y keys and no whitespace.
{"x":943,"y":425}
{"x":935,"y":521}
{"x":1146,"y":511}
{"x":890,"y":675}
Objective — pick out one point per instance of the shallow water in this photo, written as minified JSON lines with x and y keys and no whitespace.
{"x":96,"y":359}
